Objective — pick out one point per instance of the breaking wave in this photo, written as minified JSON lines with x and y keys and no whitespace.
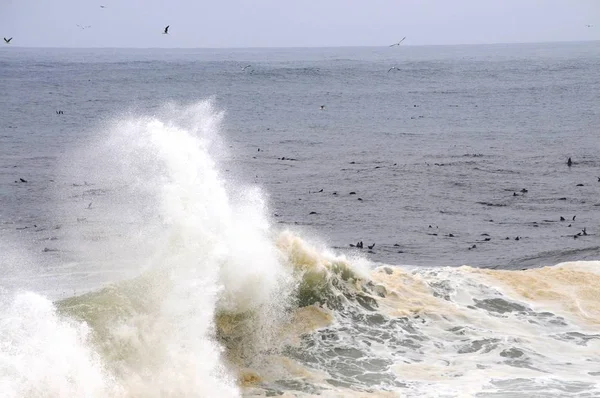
{"x":222,"y":304}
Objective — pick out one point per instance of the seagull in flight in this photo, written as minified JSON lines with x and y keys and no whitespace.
{"x":589,"y":26}
{"x":245,"y":67}
{"x":397,"y":44}
{"x":166,"y":32}
{"x":392,"y":68}
{"x":7,"y":41}
{"x":102,"y":6}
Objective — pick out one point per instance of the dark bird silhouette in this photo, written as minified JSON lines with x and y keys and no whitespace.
{"x":166,"y":32}
{"x":562,"y":218}
{"x":584,"y":231}
{"x":323,"y":107}
{"x":372,"y":246}
{"x":569,"y":162}
{"x":397,"y":44}
{"x":392,"y":68}
{"x":7,"y":41}
{"x":102,"y":6}
{"x":524,"y":190}
{"x":90,"y":205}
{"x":243,"y":67}
{"x":573,"y":218}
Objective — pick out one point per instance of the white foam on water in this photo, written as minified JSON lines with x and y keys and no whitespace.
{"x":165,"y":210}
{"x":44,"y":355}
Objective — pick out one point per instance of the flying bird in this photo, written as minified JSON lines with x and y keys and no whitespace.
{"x":588,"y":26}
{"x":166,"y":32}
{"x":7,"y":41}
{"x":245,"y":67}
{"x":397,"y":44}
{"x":102,"y":6}
{"x":392,"y":68}
{"x":84,"y":27}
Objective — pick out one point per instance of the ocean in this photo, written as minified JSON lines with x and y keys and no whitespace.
{"x":184,"y":222}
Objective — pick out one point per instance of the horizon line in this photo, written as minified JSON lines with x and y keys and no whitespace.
{"x":303,"y":47}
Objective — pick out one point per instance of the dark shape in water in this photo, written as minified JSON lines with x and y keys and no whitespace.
{"x":569,"y":162}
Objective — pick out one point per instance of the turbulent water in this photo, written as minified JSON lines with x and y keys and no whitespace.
{"x":167,"y":236}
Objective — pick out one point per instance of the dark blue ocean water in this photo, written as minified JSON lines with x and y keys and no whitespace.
{"x":446,"y":140}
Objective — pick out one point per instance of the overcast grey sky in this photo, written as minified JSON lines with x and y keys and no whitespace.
{"x":285,"y":23}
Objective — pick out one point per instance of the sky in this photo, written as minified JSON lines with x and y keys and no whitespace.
{"x":286,"y":23}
